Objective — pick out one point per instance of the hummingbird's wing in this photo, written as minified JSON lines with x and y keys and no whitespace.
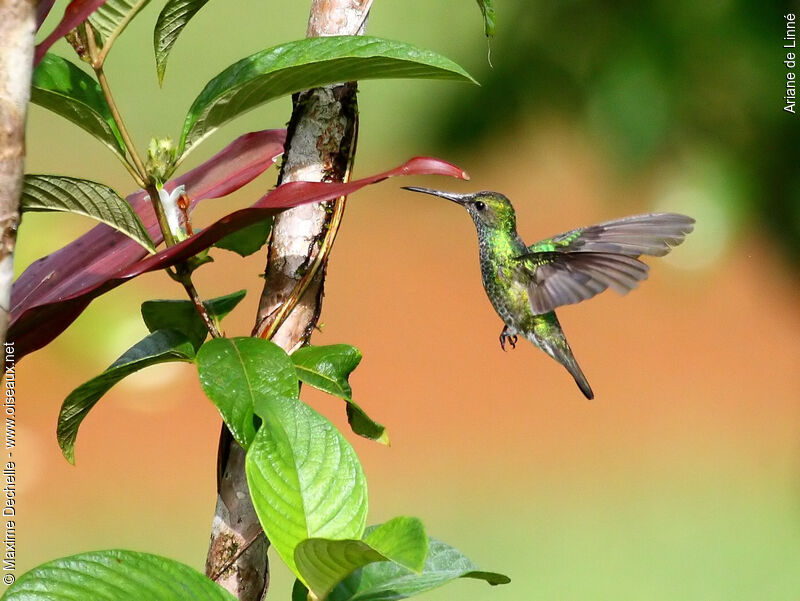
{"x":581,"y":263}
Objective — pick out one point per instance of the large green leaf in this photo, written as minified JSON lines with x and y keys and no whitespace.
{"x":84,"y":197}
{"x":161,"y":346}
{"x":238,"y":373}
{"x":386,"y":581}
{"x":63,"y":88}
{"x":323,"y":563}
{"x":171,"y":21}
{"x":303,"y":64}
{"x":113,"y":16}
{"x":182,"y":315}
{"x":304,"y":477}
{"x":115,"y":575}
{"x":328,"y":369}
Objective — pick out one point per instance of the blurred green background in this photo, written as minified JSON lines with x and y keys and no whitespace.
{"x":680,"y":481}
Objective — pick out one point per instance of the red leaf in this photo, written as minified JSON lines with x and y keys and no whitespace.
{"x":87,"y":261}
{"x":75,"y":14}
{"x":239,"y":163}
{"x":283,"y":197}
{"x":42,"y":10}
{"x":36,"y":324}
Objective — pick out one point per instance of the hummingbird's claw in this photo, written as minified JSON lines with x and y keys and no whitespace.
{"x":506,"y":337}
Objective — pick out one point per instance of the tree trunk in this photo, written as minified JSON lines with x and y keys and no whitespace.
{"x":17,"y":30}
{"x":319,"y":147}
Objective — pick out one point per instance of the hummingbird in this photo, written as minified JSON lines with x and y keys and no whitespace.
{"x":525,"y":284}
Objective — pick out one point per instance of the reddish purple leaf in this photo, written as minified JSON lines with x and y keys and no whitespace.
{"x":88,"y":260}
{"x":42,"y":10}
{"x":76,"y":13}
{"x":283,"y":197}
{"x":35,"y":325}
{"x":239,"y":163}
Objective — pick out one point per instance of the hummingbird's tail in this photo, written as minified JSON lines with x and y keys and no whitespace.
{"x":575,"y":369}
{"x":548,"y":336}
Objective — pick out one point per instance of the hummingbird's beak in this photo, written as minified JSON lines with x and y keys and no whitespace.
{"x":459,"y":198}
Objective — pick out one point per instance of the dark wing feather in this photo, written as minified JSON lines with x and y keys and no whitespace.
{"x":564,"y":279}
{"x":653,"y":234}
{"x":577,"y":265}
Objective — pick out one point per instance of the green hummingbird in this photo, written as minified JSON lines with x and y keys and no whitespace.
{"x":526,"y":283}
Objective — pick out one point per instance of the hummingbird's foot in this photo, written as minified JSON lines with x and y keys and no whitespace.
{"x":506,"y":337}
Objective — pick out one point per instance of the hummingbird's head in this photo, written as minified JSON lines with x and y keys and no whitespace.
{"x":489,"y":210}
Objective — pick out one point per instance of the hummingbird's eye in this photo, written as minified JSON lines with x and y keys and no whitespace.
{"x":480,"y":205}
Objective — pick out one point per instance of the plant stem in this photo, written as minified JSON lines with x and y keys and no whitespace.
{"x":318,"y":148}
{"x":123,"y":130}
{"x":296,"y":263}
{"x":131,"y":169}
{"x":185,"y":278}
{"x":266,"y":328}
{"x":137,"y":170}
{"x":221,"y":570}
{"x":182,"y":272}
{"x":17,"y":30}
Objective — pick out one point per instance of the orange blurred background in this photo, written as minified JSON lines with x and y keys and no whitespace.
{"x":681,"y":480}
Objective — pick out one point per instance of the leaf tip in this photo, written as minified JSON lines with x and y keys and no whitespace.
{"x":69,"y":454}
{"x":431,"y":166}
{"x":65,"y":439}
{"x":492,"y":578}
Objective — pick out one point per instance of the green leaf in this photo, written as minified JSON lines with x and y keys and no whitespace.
{"x":299,"y":591}
{"x":238,"y":373}
{"x":389,"y":582}
{"x":402,"y":540}
{"x":175,"y":15}
{"x":115,"y":575}
{"x":63,"y":88}
{"x":304,"y":477}
{"x":113,"y":16}
{"x":489,"y":21}
{"x":181,"y":315}
{"x":248,"y":240}
{"x":70,"y":195}
{"x":161,"y":346}
{"x":328,"y":369}
{"x":323,"y":563}
{"x":363,"y":425}
{"x":303,"y":64}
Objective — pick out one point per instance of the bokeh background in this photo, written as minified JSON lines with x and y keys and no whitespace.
{"x":680,"y":481}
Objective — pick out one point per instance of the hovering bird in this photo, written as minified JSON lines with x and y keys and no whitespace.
{"x":526,"y":283}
